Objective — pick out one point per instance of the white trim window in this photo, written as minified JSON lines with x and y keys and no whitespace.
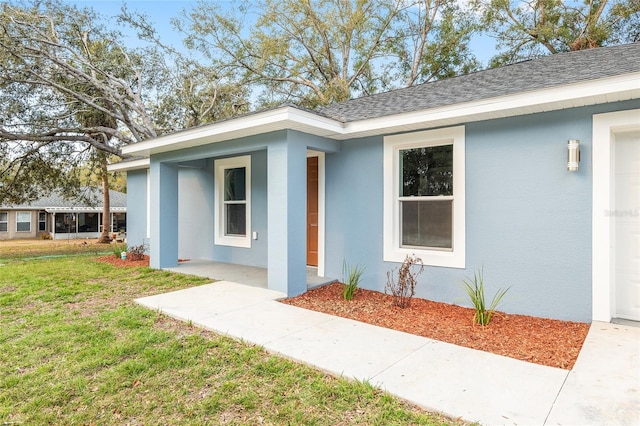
{"x":23,"y":221}
{"x":42,"y":221}
{"x":424,"y":200}
{"x":4,"y":222}
{"x":233,"y":201}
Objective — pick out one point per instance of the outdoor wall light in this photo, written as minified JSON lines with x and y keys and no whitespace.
{"x":573,"y":155}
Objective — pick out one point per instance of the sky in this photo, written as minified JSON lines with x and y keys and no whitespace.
{"x":161,"y":12}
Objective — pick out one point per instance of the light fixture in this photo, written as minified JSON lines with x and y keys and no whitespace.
{"x":573,"y":155}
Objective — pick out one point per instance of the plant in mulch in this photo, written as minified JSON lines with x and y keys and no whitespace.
{"x":475,"y":294}
{"x":137,"y":252}
{"x":117,"y":249}
{"x":351,"y":276}
{"x":404,"y":288}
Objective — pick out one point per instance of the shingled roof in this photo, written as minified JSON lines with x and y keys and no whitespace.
{"x":89,"y":199}
{"x":543,"y":73}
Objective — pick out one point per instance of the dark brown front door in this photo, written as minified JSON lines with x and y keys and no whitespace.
{"x":312,"y":211}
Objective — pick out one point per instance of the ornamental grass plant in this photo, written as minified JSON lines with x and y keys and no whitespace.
{"x":475,"y":294}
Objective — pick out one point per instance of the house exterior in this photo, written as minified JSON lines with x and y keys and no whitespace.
{"x":467,"y":173}
{"x":56,"y":217}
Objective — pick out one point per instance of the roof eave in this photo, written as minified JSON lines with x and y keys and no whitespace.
{"x":283,"y":118}
{"x":590,"y":92}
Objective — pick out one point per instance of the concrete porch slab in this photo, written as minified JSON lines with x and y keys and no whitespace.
{"x":242,"y":274}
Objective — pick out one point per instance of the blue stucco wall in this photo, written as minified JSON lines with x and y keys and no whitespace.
{"x":528,"y":220}
{"x":137,"y":207}
{"x":195,"y":210}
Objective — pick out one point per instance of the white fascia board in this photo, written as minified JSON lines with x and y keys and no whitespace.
{"x":124,"y":166}
{"x":252,"y":124}
{"x":579,"y":94}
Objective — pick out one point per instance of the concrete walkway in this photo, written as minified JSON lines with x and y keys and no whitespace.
{"x":602,"y":389}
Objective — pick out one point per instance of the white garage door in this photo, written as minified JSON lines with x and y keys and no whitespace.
{"x":627,"y":225}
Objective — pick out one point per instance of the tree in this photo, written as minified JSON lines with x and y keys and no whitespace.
{"x":529,"y":29}
{"x":71,"y":92}
{"x":317,"y":52}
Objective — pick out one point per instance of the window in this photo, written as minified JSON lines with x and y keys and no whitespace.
{"x":23,"y":221}
{"x":424,"y":197}
{"x":87,"y":222}
{"x":233,"y":201}
{"x":119,"y":222}
{"x":42,"y":221}
{"x":4,"y":222}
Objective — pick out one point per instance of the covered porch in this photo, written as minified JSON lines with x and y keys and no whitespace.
{"x":241,"y":274}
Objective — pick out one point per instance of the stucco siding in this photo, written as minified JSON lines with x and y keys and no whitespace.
{"x":137,"y":207}
{"x":528,"y":220}
{"x":195,"y":211}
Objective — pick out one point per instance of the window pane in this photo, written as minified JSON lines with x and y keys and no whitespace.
{"x":3,"y":226}
{"x":427,"y":223}
{"x":23,"y":221}
{"x":236,"y":220}
{"x":87,"y":222}
{"x":426,"y":171}
{"x":234,"y":184}
{"x":3,"y":216}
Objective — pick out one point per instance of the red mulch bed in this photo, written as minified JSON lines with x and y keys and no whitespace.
{"x":116,"y":261}
{"x":537,"y":340}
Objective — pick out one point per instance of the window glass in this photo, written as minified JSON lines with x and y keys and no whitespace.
{"x":42,"y":221}
{"x":234,"y":184}
{"x":426,"y":177}
{"x":119,"y":222}
{"x":87,"y":222}
{"x":236,"y":223}
{"x":235,"y":209}
{"x":23,"y":221}
{"x":4,"y":219}
{"x":65,"y":223}
{"x":426,"y":171}
{"x":427,"y":223}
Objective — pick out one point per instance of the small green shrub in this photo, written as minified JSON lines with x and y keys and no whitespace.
{"x":475,"y":294}
{"x":351,"y":276}
{"x":117,"y":249}
{"x":404,"y":289}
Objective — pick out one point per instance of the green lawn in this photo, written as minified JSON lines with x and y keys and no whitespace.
{"x":75,"y":349}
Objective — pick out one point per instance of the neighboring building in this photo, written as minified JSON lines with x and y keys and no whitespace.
{"x":60,"y":218}
{"x":469,"y":172}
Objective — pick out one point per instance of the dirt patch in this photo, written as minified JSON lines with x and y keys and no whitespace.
{"x":117,"y":261}
{"x":538,"y":340}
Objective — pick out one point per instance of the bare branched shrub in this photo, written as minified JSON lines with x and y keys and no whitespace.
{"x":404,"y":289}
{"x":137,"y":252}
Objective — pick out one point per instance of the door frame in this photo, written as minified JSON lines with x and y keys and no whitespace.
{"x":603,"y":195}
{"x":321,"y":208}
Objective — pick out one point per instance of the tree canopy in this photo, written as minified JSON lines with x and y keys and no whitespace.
{"x":71,"y":91}
{"x":532,"y":28}
{"x":316,"y":52}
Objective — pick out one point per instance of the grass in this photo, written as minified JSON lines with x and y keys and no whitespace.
{"x":75,"y":349}
{"x":35,"y":248}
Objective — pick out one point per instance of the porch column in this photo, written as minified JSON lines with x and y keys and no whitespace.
{"x":164,"y":215}
{"x":286,"y":216}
